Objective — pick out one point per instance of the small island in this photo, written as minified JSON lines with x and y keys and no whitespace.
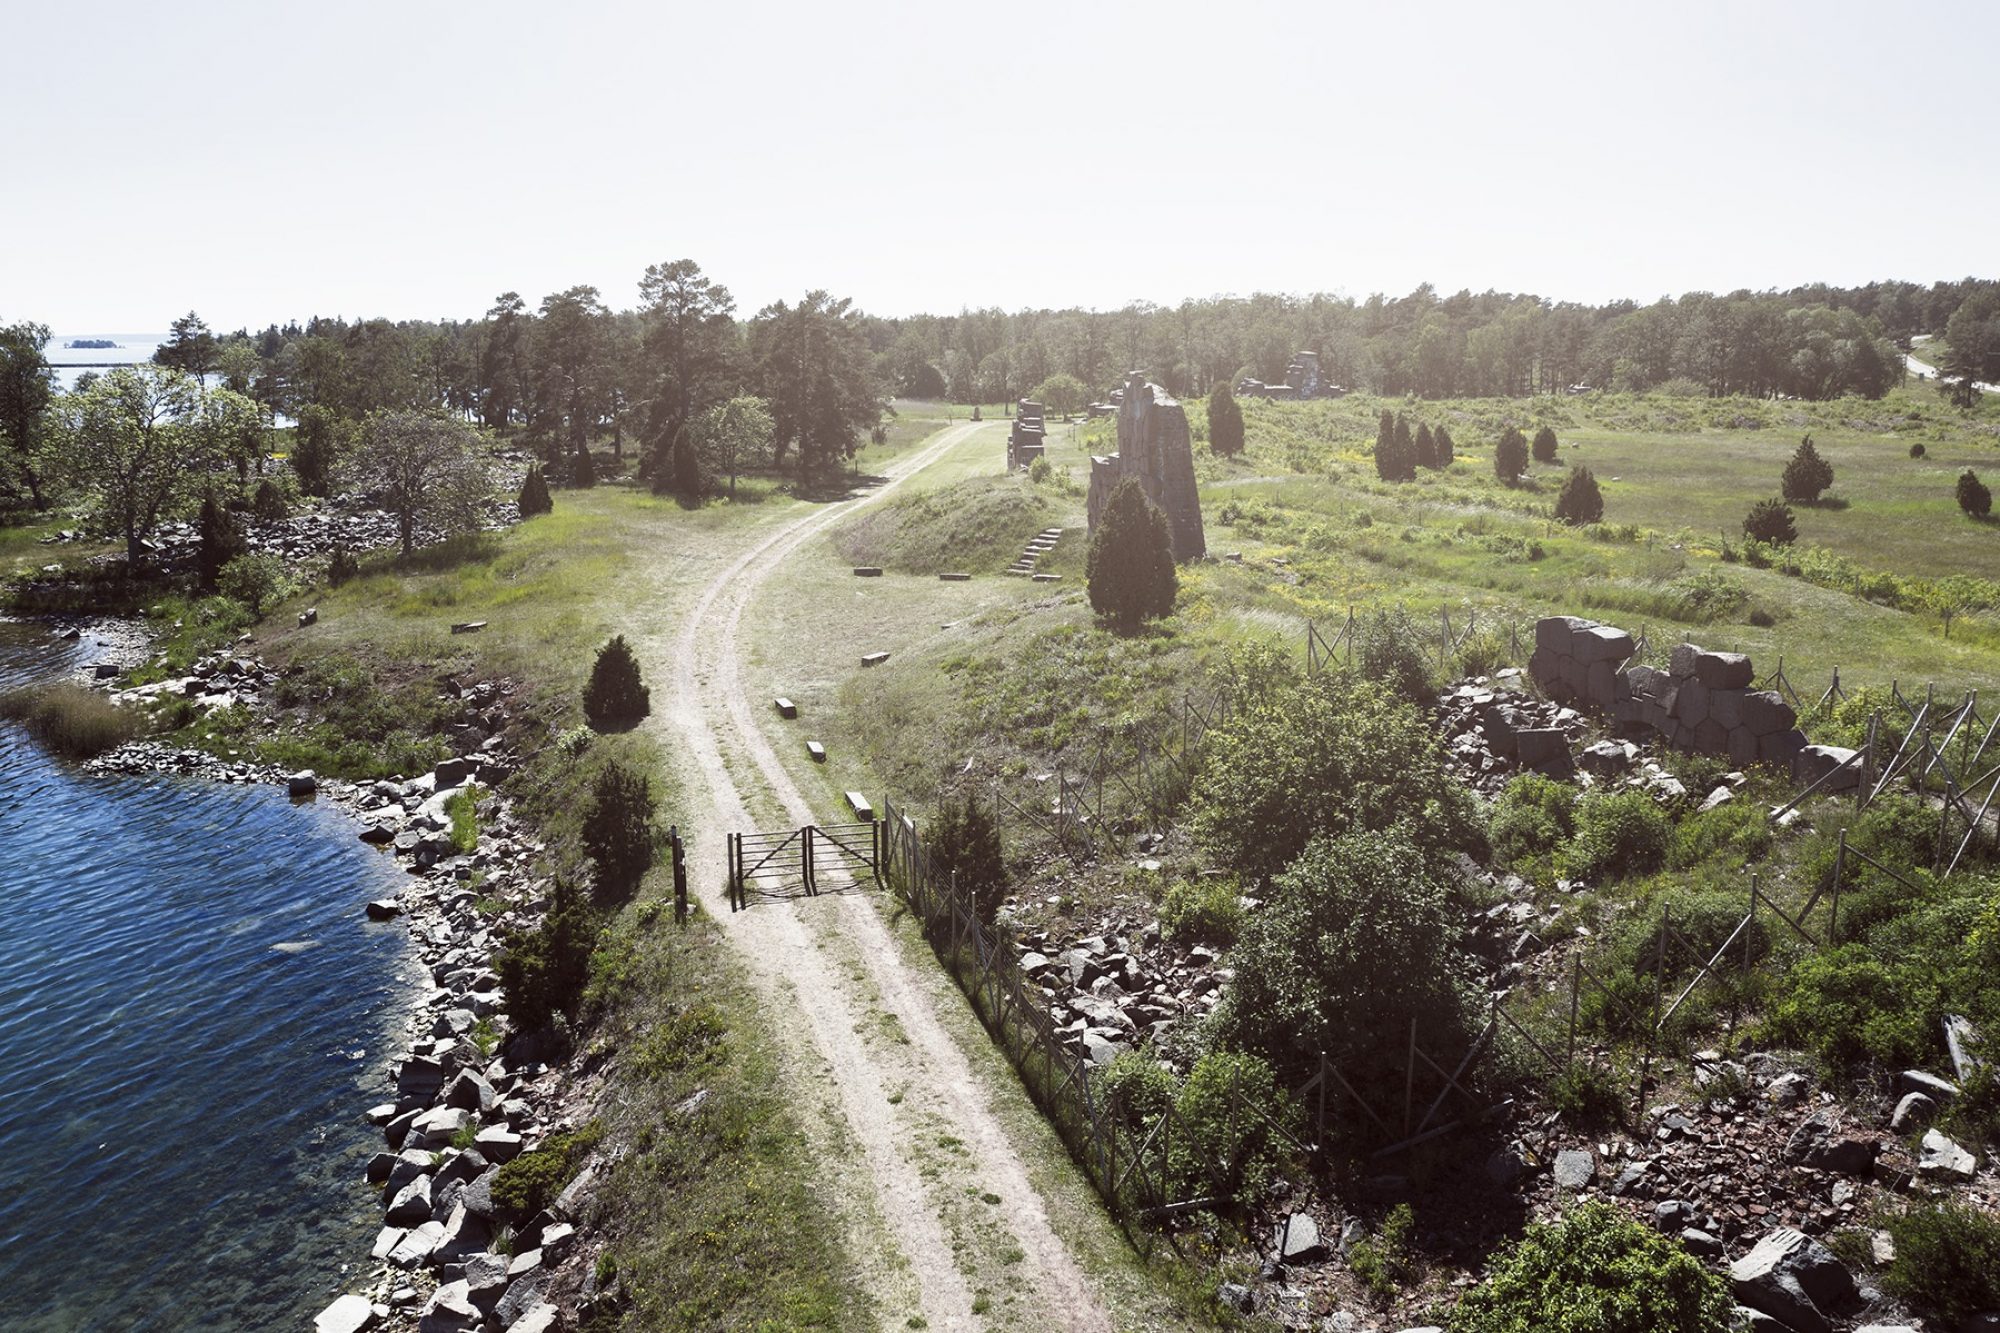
{"x":89,"y":344}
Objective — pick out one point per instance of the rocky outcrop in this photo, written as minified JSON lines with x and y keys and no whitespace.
{"x":1155,"y":446}
{"x":1702,"y":702}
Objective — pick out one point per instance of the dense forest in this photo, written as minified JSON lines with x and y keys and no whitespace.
{"x":573,"y":369}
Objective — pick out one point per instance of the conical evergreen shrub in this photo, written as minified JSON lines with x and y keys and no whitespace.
{"x":1130,"y":566}
{"x":1580,"y":501}
{"x":615,"y":695}
{"x":535,"y":498}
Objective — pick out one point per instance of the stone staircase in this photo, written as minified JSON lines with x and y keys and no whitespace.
{"x":1044,"y":542}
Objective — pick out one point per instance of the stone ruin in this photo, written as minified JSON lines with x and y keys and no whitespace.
{"x":1701,"y":702}
{"x":1302,"y":382}
{"x":1153,"y":445}
{"x":1029,"y":437}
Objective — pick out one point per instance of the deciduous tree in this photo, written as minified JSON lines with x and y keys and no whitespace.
{"x":140,"y":440}
{"x":735,"y":435}
{"x":26,"y":391}
{"x":425,"y":468}
{"x":1061,"y":394}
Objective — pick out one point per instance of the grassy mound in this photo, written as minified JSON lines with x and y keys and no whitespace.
{"x":978,"y":525}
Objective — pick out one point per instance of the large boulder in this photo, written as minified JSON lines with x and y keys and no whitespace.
{"x":1794,"y":1279}
{"x":450,"y":1310}
{"x":1814,"y":762}
{"x":411,"y":1205}
{"x":1944,"y":1158}
{"x":1297,"y":1240}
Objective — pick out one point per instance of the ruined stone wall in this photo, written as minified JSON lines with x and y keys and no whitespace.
{"x":1702,"y":702}
{"x":1155,"y":446}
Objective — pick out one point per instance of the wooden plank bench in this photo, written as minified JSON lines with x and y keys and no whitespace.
{"x":873,"y":659}
{"x":867,"y":572}
{"x":954,"y":578}
{"x":817,"y":751}
{"x":785,"y":707}
{"x":859,"y":805}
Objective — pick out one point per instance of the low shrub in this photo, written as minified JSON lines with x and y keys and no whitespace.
{"x":256,"y":580}
{"x":1736,"y":833}
{"x":270,"y":503}
{"x":1587,"y":1096}
{"x":463,"y":809}
{"x":1595,"y":1271}
{"x":1771,"y":522}
{"x":1383,"y":1261}
{"x":535,"y":498}
{"x":1847,"y":1006}
{"x":342,"y":567}
{"x":1225,"y":1153}
{"x":1393,"y":654}
{"x":70,"y":720}
{"x":1532,"y":819}
{"x":532,"y":1181}
{"x":1947,"y":1261}
{"x":965,"y":853}
{"x":1617,"y":834}
{"x":1138,"y":1088}
{"x":1202,"y":911}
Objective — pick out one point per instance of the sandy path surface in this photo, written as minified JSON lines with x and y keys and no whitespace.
{"x":884,"y":1083}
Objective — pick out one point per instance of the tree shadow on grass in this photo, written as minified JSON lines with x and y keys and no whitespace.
{"x":463,"y":549}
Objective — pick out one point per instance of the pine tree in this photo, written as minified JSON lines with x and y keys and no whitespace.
{"x":1130,"y":565}
{"x":1426,"y":455}
{"x":1510,"y":455}
{"x":221,"y":540}
{"x":1806,"y":475}
{"x":1771,"y":521}
{"x":615,"y":694}
{"x":1441,"y":445}
{"x":535,"y":498}
{"x":617,"y":829}
{"x":1225,"y":421}
{"x":965,"y":853}
{"x":1973,"y":496}
{"x":1580,"y":500}
{"x":1545,"y":445}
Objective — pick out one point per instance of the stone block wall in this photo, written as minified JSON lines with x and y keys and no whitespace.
{"x":1701,"y":702}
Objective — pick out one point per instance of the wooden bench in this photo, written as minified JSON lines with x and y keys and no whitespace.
{"x":873,"y":659}
{"x":859,"y":804}
{"x":786,"y":708}
{"x":817,"y":751}
{"x":954,"y":578}
{"x":867,"y":572}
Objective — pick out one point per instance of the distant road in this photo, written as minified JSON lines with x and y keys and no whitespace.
{"x":1928,"y":371}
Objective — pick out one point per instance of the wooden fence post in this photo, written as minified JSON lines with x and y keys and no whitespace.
{"x":1839,"y":872}
{"x":679,"y":854}
{"x":1410,"y":1078}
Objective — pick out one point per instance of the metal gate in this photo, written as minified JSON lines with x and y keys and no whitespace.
{"x":775,"y":867}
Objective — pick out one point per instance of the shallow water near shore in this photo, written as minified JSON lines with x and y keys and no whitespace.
{"x":193,"y":1015}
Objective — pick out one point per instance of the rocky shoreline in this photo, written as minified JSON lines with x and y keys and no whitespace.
{"x":463,"y":1097}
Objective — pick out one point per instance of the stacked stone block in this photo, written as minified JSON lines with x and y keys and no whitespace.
{"x":1701,"y":702}
{"x":1155,"y":446}
{"x":1030,"y":435}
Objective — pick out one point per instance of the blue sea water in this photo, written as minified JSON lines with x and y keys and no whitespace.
{"x":193,"y":1015}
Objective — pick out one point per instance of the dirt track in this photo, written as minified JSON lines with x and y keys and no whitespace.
{"x":883,"y":1082}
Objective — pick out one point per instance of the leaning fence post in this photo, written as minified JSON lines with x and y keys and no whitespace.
{"x":1575,"y":991}
{"x":1839,"y":873}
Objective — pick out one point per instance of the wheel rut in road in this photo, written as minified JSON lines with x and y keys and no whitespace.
{"x":832,"y":964}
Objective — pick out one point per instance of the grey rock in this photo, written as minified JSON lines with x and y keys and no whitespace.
{"x":412,"y":1204}
{"x":1701,"y":1243}
{"x":302,"y":783}
{"x":1789,"y":1089}
{"x":465,"y":1233}
{"x":1237,"y":1297}
{"x":417,"y":1245}
{"x":478,"y":1196}
{"x":1631,"y":1180}
{"x":1916,"y":1110}
{"x":405,"y":1167}
{"x":347,"y":1314}
{"x":1886,"y":1328}
{"x":1818,"y":1145}
{"x":1504,"y":1167}
{"x":1794,"y":1279}
{"x":1575,"y":1169}
{"x":1943,"y":1157}
{"x":1959,"y":1038}
{"x":1755,"y":1321}
{"x":485,"y":1278}
{"x":558,"y":1239}
{"x":541,"y":1318}
{"x":1916,"y":1080}
{"x":523,"y":1294}
{"x":449,"y":1310}
{"x":1297,"y":1240}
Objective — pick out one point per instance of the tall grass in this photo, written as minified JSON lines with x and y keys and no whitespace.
{"x":69,"y":719}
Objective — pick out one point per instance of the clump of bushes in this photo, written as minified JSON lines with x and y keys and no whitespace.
{"x":256,"y":580}
{"x":70,"y":720}
{"x":1617,"y":834}
{"x":615,"y":695}
{"x":1947,"y":1261}
{"x":1391,"y":653}
{"x":1361,"y":937}
{"x":1202,"y":911}
{"x":618,"y":829}
{"x":342,"y":566}
{"x":1847,"y":1006}
{"x":532,"y":1181}
{"x":1533,"y":818}
{"x":1595,"y":1271}
{"x":1218,"y":1147}
{"x":1586,"y":1096}
{"x":270,"y":503}
{"x":463,"y":810}
{"x":1383,"y":1261}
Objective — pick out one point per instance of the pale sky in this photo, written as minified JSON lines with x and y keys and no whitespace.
{"x":268,"y":161}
